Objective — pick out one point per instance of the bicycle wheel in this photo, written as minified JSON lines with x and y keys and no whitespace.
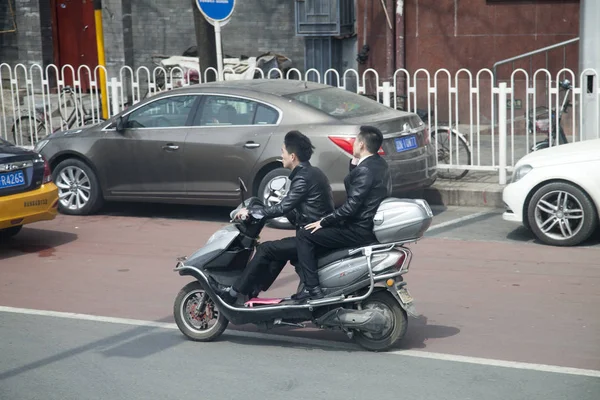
{"x":24,"y":130}
{"x":461,"y":154}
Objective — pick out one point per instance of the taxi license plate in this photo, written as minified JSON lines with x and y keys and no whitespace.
{"x":12,"y":179}
{"x":405,"y":296}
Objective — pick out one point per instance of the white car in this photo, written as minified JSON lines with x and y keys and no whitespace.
{"x":555,"y":192}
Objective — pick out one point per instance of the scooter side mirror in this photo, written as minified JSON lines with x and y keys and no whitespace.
{"x":243,"y":189}
{"x":242,"y":185}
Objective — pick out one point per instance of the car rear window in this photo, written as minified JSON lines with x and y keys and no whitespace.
{"x":339,"y":103}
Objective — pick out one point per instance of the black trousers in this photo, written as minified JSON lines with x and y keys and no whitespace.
{"x":266,"y":265}
{"x":310,"y":245}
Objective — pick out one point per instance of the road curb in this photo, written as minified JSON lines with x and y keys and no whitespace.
{"x":470,"y":194}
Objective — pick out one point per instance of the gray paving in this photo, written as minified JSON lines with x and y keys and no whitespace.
{"x":51,"y":358}
{"x":487,"y":227}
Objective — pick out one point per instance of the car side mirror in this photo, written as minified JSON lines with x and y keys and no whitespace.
{"x":120,"y":124}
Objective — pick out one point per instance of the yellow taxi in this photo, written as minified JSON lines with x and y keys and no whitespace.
{"x":27,"y":193}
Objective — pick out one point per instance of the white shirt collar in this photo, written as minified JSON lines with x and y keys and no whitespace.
{"x":362,"y":159}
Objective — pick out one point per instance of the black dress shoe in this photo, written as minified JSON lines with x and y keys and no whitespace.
{"x":308,"y":293}
{"x":223,"y":293}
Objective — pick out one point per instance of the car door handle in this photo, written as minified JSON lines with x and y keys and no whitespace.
{"x":251,"y":145}
{"x":170,"y":147}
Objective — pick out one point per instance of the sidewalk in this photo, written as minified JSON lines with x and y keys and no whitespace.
{"x":481,"y":188}
{"x":476,"y":189}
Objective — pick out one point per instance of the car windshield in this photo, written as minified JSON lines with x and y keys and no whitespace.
{"x":339,"y":103}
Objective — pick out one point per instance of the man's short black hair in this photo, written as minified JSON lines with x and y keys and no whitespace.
{"x":372,"y":137}
{"x":298,"y":144}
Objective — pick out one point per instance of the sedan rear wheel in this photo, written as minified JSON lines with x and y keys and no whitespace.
{"x":561,"y":214}
{"x":78,"y":188}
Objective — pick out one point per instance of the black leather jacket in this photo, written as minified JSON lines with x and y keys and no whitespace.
{"x":367,"y":185}
{"x":308,"y":200}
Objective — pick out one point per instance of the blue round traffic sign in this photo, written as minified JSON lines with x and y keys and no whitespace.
{"x":217,"y":10}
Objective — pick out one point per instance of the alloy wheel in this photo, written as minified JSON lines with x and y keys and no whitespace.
{"x":74,"y":188}
{"x":559,"y":215}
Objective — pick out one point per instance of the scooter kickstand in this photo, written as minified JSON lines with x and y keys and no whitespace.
{"x":278,"y":321}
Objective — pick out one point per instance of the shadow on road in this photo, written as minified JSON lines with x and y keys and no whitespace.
{"x":168,"y":211}
{"x":419,"y":331}
{"x":32,"y":240}
{"x":137,"y":342}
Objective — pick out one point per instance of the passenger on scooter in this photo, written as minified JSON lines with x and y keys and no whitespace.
{"x":308,"y":199}
{"x":367,"y":185}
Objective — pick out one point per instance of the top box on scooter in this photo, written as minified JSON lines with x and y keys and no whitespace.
{"x":401,"y":220}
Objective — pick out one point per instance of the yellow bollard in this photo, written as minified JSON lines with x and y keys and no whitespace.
{"x":101,"y":59}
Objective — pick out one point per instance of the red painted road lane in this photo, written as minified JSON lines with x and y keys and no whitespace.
{"x":517,"y":302}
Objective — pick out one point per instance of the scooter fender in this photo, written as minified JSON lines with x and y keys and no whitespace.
{"x":185,"y":270}
{"x":408,"y":307}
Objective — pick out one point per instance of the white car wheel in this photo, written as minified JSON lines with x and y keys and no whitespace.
{"x":561,"y":214}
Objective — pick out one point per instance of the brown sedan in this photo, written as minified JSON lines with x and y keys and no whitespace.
{"x":190,"y":145}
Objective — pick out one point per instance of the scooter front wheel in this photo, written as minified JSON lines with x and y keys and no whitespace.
{"x":394,"y":330}
{"x":196,"y":314}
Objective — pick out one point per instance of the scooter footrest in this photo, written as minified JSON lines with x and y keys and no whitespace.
{"x":262,"y":302}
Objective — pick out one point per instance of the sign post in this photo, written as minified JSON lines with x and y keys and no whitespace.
{"x":217,"y":13}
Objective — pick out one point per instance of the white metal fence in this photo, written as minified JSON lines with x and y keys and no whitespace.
{"x":478,"y":122}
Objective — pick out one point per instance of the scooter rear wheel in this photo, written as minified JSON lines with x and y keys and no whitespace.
{"x":384,"y":301}
{"x":194,"y":310}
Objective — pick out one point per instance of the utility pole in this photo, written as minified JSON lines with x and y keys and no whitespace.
{"x":205,"y":41}
{"x":589,"y":58}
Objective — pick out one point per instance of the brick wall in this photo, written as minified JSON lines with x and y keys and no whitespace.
{"x":9,"y":49}
{"x":24,"y":45}
{"x":112,"y":25}
{"x":137,"y":29}
{"x":259,"y":26}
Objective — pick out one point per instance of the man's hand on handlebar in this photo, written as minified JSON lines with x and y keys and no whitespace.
{"x":242,"y":214}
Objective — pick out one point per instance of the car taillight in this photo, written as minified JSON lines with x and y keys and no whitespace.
{"x":47,"y":173}
{"x":347,"y":143}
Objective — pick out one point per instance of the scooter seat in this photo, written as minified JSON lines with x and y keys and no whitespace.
{"x":337,"y":255}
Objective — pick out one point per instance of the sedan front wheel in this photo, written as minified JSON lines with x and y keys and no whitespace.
{"x":78,"y":188}
{"x":561,"y":214}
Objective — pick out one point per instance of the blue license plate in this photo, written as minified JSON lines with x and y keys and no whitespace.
{"x":12,"y":179}
{"x":406,"y":143}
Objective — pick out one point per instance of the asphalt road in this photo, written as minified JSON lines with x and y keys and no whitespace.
{"x":57,"y":359}
{"x":502,"y":316}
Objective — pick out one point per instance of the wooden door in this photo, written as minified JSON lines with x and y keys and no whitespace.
{"x":75,"y":38}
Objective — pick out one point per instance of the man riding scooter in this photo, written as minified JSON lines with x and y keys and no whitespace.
{"x":367,"y":185}
{"x":309,"y":198}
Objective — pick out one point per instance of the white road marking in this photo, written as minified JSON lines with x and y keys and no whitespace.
{"x":317,"y":343}
{"x":457,"y":221}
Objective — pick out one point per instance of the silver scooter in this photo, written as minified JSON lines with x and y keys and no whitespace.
{"x":365,"y":293}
